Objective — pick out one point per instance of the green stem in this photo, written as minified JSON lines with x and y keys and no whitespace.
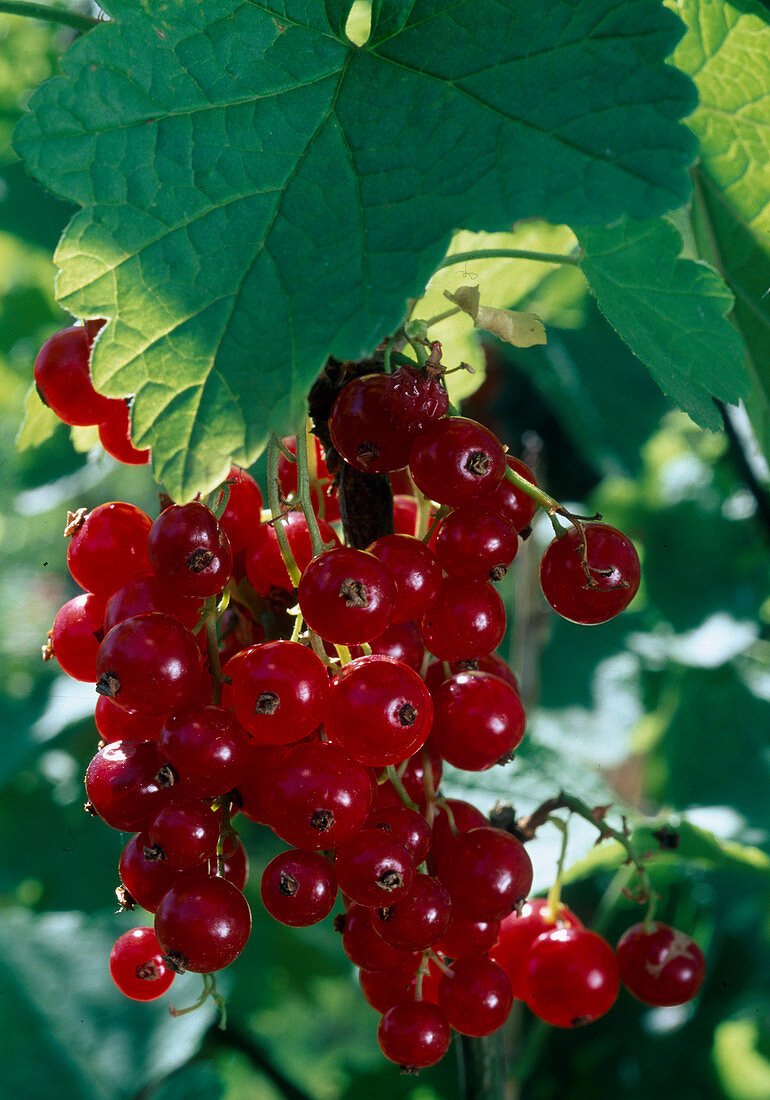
{"x":508,"y":254}
{"x":403,"y":794}
{"x":50,"y":15}
{"x":554,"y":894}
{"x":303,"y":493}
{"x":541,"y":498}
{"x":212,"y":649}
{"x":276,"y":511}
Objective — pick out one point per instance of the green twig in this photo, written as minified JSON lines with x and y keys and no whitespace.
{"x":48,"y":14}
{"x":273,"y":489}
{"x":304,"y":494}
{"x":508,"y":254}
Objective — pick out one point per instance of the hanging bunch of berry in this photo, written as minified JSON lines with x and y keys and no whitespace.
{"x":329,"y":716}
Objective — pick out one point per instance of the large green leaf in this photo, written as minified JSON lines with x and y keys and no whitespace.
{"x":671,"y":311}
{"x":727,"y":52}
{"x":258,"y":193}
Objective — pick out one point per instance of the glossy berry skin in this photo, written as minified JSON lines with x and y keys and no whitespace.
{"x":464,"y":815}
{"x":189,"y":551}
{"x":414,"y":1034}
{"x":415,"y":570}
{"x":280,"y":692}
{"x":363,"y":428}
{"x":115,"y":723}
{"x":77,"y":635}
{"x":122,"y":784}
{"x":206,"y":748}
{"x":347,"y":596}
{"x":146,"y":880}
{"x":149,"y":663}
{"x":374,"y":868}
{"x":403,"y":643}
{"x":660,"y":965}
{"x":365,"y":948}
{"x":318,"y":796}
{"x":468,"y":937}
{"x":383,"y":989}
{"x":477,"y":543}
{"x":63,"y":378}
{"x":486,"y":871}
{"x":147,"y":593}
{"x":137,"y":967}
{"x":410,"y":827}
{"x":519,"y":931}
{"x":422,"y":775}
{"x":380,"y":711}
{"x":115,"y":437}
{"x":613,"y":569}
{"x":241,"y":517}
{"x":203,"y":923}
{"x":456,"y":461}
{"x":184,"y":833}
{"x":493,"y":663}
{"x":298,"y":888}
{"x":405,"y":514}
{"x":109,"y":547}
{"x":571,"y":977}
{"x":265,"y":567}
{"x":416,"y":399}
{"x":477,"y":998}
{"x":513,"y":504}
{"x":465,"y":621}
{"x":479,"y":720}
{"x":417,"y":921}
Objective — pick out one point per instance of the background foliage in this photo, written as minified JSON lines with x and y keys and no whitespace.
{"x":663,"y":712}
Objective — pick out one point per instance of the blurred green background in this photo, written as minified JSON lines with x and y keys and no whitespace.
{"x":662,"y":713}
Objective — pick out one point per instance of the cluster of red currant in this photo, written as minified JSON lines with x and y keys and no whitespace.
{"x":335,"y":738}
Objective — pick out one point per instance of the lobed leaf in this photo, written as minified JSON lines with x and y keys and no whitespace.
{"x":258,"y":193}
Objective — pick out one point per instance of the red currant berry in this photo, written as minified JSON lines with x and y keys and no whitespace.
{"x":475,"y":542}
{"x":454,"y":816}
{"x":374,"y":868}
{"x":415,"y":570}
{"x":487,"y":873}
{"x":518,"y":931}
{"x":416,"y":398}
{"x":379,"y":711}
{"x":202,"y":923}
{"x":479,"y":720}
{"x":465,"y":621}
{"x":660,"y":965}
{"x":403,"y":643}
{"x":183,"y":833}
{"x":363,"y":428}
{"x":570,"y":977}
{"x":149,"y":663}
{"x":63,"y":378}
{"x":189,"y":551}
{"x":124,"y":784}
{"x":513,"y":504}
{"x":115,"y":437}
{"x":279,"y":691}
{"x":590,"y":584}
{"x":383,"y":989}
{"x":137,"y":967}
{"x":115,"y":723}
{"x":414,"y":1034}
{"x":76,"y":636}
{"x":241,"y":517}
{"x":109,"y":547}
{"x":298,"y":888}
{"x":410,"y":827}
{"x":146,"y":880}
{"x":477,"y":997}
{"x":347,"y":596}
{"x":417,"y":921}
{"x":265,"y":566}
{"x":147,"y":593}
{"x":456,"y":461}
{"x":366,"y":949}
{"x":405,"y":514}
{"x":206,"y":748}
{"x":468,"y":937}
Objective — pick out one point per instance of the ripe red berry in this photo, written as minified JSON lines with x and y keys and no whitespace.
{"x":146,"y":593}
{"x":383,"y":989}
{"x":519,"y":930}
{"x":124,"y":784}
{"x":410,"y":827}
{"x":456,"y":461}
{"x":241,"y":517}
{"x":189,"y":551}
{"x":476,"y":997}
{"x":513,"y":504}
{"x":109,"y":547}
{"x":365,"y":948}
{"x":592,"y":583}
{"x":76,"y":636}
{"x":479,"y":720}
{"x":184,"y":833}
{"x":265,"y":566}
{"x":206,"y":748}
{"x":374,"y":868}
{"x":468,"y":937}
{"x":363,"y":428}
{"x":475,"y":542}
{"x":415,"y":570}
{"x":63,"y":378}
{"x":146,"y":880}
{"x":465,"y":621}
{"x":137,"y":967}
{"x":570,"y":977}
{"x":347,"y":596}
{"x":202,"y":923}
{"x":115,"y":437}
{"x":380,"y":711}
{"x":419,"y":919}
{"x":660,"y":965}
{"x":149,"y":663}
{"x":298,"y":888}
{"x":279,"y":691}
{"x":414,"y":1034}
{"x":486,"y":871}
